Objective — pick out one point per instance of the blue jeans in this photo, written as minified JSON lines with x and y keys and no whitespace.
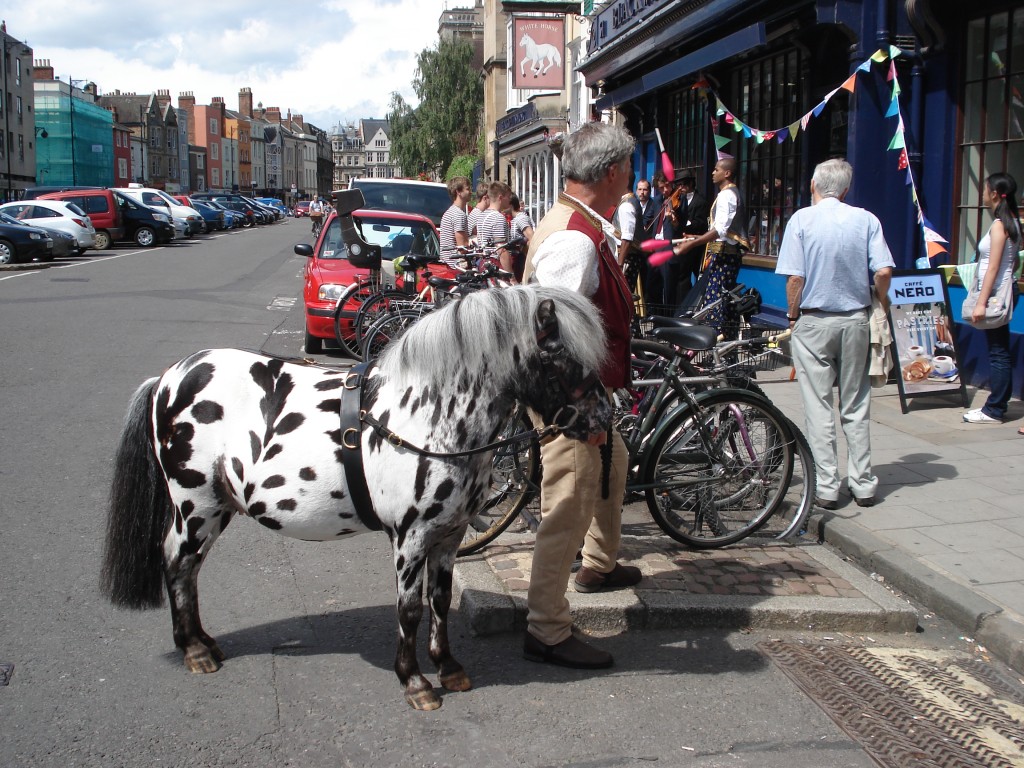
{"x":1000,"y":373}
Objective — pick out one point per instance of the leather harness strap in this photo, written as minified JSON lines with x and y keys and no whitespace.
{"x":351,"y":445}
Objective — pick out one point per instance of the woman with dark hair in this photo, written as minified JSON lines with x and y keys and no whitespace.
{"x":997,"y":262}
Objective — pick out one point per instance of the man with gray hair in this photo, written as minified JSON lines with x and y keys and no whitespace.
{"x":573,"y":247}
{"x":827,"y":251}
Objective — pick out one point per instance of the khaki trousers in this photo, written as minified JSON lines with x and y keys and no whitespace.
{"x":572,"y":511}
{"x":832,"y":349}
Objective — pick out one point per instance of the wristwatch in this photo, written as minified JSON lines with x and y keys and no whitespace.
{"x":792,"y":319}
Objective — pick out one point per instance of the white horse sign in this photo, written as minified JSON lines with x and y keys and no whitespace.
{"x":538,"y":62}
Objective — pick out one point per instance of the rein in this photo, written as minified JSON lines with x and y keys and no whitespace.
{"x":397,"y":441}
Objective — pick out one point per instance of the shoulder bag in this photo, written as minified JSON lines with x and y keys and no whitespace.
{"x":998,"y":310}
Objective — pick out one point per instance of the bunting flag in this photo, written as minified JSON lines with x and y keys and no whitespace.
{"x":933,"y":242}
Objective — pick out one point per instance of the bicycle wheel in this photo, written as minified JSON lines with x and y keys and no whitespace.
{"x":345,"y":314}
{"x":386,"y":329}
{"x":790,"y":519}
{"x":375,"y":306}
{"x":515,"y":482}
{"x":715,"y":474}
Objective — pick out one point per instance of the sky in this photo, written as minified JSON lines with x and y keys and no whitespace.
{"x":330,"y":61}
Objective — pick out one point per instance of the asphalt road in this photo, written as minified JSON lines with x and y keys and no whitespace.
{"x":309,"y":629}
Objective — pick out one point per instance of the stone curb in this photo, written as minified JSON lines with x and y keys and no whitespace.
{"x":491,"y":609}
{"x":25,"y":267}
{"x":1001,"y":634}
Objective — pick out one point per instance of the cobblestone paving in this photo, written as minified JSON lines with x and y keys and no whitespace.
{"x":773,"y":570}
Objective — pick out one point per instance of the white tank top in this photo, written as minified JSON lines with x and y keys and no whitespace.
{"x":1006,"y":264}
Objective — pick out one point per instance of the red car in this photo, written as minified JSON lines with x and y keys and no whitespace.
{"x":328,"y":272}
{"x":302,"y":209}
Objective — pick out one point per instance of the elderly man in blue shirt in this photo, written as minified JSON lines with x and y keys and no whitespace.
{"x":827,"y":252}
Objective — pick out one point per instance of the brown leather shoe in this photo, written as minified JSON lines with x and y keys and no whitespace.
{"x":571,"y":652}
{"x":867,"y":501}
{"x":620,"y":576}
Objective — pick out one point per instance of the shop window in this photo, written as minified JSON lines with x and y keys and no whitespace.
{"x":992,"y":128}
{"x":769,"y":94}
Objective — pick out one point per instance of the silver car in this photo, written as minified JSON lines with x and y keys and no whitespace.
{"x":55,"y":215}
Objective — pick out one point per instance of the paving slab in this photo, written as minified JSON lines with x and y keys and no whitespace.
{"x":770,"y":586}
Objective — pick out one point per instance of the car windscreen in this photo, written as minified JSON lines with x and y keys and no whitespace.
{"x":396,"y":237}
{"x":424,"y":199}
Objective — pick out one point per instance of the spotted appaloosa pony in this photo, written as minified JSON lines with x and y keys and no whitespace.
{"x":228,"y":432}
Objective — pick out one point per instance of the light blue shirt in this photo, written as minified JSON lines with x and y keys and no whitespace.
{"x":832,"y":245}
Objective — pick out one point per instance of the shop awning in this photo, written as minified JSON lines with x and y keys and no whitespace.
{"x":729,"y":46}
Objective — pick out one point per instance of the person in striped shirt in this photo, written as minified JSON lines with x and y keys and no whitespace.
{"x":482,"y":204}
{"x":492,"y":228}
{"x":455,"y":223}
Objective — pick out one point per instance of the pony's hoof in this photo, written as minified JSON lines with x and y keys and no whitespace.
{"x":424,"y":701}
{"x":456,"y":681}
{"x":202,"y":661}
{"x":215,"y":651}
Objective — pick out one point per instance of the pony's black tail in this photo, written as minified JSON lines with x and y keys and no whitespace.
{"x":139,"y":513}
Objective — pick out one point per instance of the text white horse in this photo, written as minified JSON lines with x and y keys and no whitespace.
{"x":538,"y":54}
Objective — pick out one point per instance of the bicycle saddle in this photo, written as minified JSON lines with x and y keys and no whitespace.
{"x":416,"y":261}
{"x":693,"y":337}
{"x":660,"y":321}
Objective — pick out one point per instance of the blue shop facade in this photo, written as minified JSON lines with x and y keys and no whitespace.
{"x":924,"y":98}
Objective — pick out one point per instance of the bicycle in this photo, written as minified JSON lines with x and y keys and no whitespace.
{"x":318,"y":225}
{"x":395,"y":313}
{"x":713,"y":470}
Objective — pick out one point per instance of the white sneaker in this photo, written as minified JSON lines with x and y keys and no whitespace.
{"x":978,"y":416}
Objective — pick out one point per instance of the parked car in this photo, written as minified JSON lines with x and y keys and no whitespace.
{"x":20,"y":243}
{"x":102,"y":209}
{"x":145,"y":225}
{"x":63,"y":243}
{"x":302,"y":209}
{"x":328,"y":273}
{"x":243,"y":208}
{"x":213,"y":218}
{"x":187,"y":221}
{"x":427,"y":198}
{"x":254,"y":212}
{"x":232,"y":219}
{"x":55,"y":215}
{"x":276,"y":204}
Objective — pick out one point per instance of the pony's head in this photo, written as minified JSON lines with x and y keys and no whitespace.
{"x":568,"y":393}
{"x":541,"y":346}
{"x":525,"y":40}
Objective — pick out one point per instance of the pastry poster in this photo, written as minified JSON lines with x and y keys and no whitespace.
{"x":922,"y":331}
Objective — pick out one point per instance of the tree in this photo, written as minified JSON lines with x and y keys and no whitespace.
{"x":447,"y":121}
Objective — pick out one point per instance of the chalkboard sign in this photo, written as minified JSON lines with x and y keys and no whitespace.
{"x":922,"y":332}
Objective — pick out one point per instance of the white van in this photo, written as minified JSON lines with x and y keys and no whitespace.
{"x":427,"y":198}
{"x":187,"y":220}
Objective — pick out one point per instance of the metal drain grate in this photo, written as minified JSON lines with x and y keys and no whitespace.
{"x":6,"y":670}
{"x":909,"y":706}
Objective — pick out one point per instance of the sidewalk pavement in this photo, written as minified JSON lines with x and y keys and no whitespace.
{"x":947,"y":531}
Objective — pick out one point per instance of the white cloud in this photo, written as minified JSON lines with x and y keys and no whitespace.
{"x":328,"y":61}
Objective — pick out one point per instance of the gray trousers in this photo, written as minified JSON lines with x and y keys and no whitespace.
{"x":833,"y":349}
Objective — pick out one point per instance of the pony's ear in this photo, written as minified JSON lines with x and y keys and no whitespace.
{"x":547,"y":321}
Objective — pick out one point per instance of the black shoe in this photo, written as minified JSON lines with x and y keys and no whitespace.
{"x":618,"y":577}
{"x":826,"y":503}
{"x":570,"y":652}
{"x":867,"y":501}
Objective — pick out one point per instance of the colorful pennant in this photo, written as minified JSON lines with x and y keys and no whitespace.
{"x":934,"y":243}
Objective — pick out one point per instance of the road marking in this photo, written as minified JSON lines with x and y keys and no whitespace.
{"x":282,"y":303}
{"x":81,"y":263}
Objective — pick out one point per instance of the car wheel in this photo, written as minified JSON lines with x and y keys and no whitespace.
{"x":313,"y":345}
{"x":7,"y":253}
{"x":101,"y":241}
{"x":145,"y":237}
